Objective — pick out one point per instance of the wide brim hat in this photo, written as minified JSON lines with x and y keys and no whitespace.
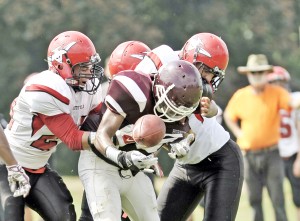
{"x":255,"y":62}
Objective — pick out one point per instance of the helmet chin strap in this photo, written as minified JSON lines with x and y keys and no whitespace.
{"x":74,"y":84}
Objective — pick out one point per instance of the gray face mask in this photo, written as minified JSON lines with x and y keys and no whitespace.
{"x":257,"y":80}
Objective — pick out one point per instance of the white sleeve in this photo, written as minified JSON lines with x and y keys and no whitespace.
{"x":47,"y":94}
{"x":157,"y":58}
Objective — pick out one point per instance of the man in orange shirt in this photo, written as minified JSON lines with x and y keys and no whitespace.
{"x":252,"y":115}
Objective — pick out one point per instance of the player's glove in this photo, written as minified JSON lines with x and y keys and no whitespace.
{"x":18,"y":180}
{"x":155,"y":169}
{"x":180,"y":149}
{"x":124,"y":135}
{"x":135,"y":160}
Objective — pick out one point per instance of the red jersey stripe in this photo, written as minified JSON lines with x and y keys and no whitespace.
{"x":48,"y":90}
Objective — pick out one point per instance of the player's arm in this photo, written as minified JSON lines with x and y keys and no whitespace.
{"x":17,"y":178}
{"x":63,"y":126}
{"x":133,"y":160}
{"x":5,"y":151}
{"x":110,"y":123}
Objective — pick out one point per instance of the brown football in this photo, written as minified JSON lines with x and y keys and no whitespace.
{"x":149,"y":130}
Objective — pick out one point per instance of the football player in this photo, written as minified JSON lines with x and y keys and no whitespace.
{"x":49,"y":110}
{"x":212,"y":166}
{"x":290,"y":132}
{"x":125,"y":56}
{"x":115,"y":181}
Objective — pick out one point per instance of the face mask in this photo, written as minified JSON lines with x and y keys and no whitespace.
{"x":257,"y":80}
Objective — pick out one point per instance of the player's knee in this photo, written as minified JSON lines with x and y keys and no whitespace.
{"x":85,"y":215}
{"x":13,"y":207}
{"x":101,"y":211}
{"x":68,"y":214}
{"x":296,"y":200}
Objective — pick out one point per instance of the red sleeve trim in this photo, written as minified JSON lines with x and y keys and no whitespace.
{"x":63,"y":126}
{"x":199,"y":117}
{"x":48,"y":90}
{"x":156,"y":60}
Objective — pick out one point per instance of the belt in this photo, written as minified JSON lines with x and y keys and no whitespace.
{"x":264,"y":150}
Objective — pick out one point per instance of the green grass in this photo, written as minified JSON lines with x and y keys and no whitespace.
{"x":244,"y":212}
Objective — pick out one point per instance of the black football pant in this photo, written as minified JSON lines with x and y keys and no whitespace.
{"x":48,"y":196}
{"x":219,"y":177}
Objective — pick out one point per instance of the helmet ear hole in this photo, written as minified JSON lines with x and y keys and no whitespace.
{"x":68,"y":61}
{"x":60,"y":67}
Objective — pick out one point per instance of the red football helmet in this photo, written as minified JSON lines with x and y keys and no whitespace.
{"x":209,"y":50}
{"x":279,"y":74}
{"x":126,"y":56}
{"x":177,"y":90}
{"x":72,"y":48}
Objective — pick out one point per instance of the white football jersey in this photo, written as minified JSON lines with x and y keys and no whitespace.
{"x":31,"y":142}
{"x":289,"y":142}
{"x":210,"y":136}
{"x":155,"y":59}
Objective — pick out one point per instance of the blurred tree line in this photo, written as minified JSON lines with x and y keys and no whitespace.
{"x":247,"y":26}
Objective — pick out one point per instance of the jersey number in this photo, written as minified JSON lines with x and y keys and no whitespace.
{"x":45,"y":142}
{"x":285,"y":124}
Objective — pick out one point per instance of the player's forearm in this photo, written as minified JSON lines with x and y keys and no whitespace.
{"x":5,"y":152}
{"x":103,"y":140}
{"x":7,"y":155}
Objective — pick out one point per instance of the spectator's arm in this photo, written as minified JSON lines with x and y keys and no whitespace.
{"x":232,"y":125}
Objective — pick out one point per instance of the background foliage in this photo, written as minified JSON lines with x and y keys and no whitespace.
{"x":247,"y":26}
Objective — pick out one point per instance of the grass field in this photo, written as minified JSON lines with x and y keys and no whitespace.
{"x":244,"y":212}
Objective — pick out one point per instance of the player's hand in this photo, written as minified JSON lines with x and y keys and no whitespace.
{"x":135,"y":160}
{"x":18,"y":180}
{"x":180,"y":149}
{"x":155,"y":169}
{"x":124,"y":136}
{"x":208,"y":107}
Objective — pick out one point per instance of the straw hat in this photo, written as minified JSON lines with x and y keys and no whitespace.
{"x":256,"y":62}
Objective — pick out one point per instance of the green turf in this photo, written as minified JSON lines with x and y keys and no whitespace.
{"x":244,"y":212}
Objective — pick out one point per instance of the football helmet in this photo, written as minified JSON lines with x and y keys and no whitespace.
{"x":177,"y":90}
{"x":126,"y":56}
{"x":279,"y":74}
{"x":72,"y":48}
{"x":210,"y":51}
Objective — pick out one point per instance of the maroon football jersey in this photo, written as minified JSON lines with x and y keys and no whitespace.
{"x":130,"y":95}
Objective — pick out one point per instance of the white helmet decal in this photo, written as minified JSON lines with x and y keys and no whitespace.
{"x":58,"y":52}
{"x":139,"y":56}
{"x":197,"y":44}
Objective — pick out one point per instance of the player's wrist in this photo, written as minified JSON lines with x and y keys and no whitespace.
{"x":91,"y":138}
{"x":113,"y":153}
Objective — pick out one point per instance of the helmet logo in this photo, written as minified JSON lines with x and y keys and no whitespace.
{"x":139,"y":56}
{"x":59,"y":52}
{"x":197,"y":44}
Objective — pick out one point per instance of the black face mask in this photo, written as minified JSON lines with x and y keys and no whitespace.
{"x":207,"y":89}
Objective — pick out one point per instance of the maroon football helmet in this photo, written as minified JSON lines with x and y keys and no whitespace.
{"x":177,"y":89}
